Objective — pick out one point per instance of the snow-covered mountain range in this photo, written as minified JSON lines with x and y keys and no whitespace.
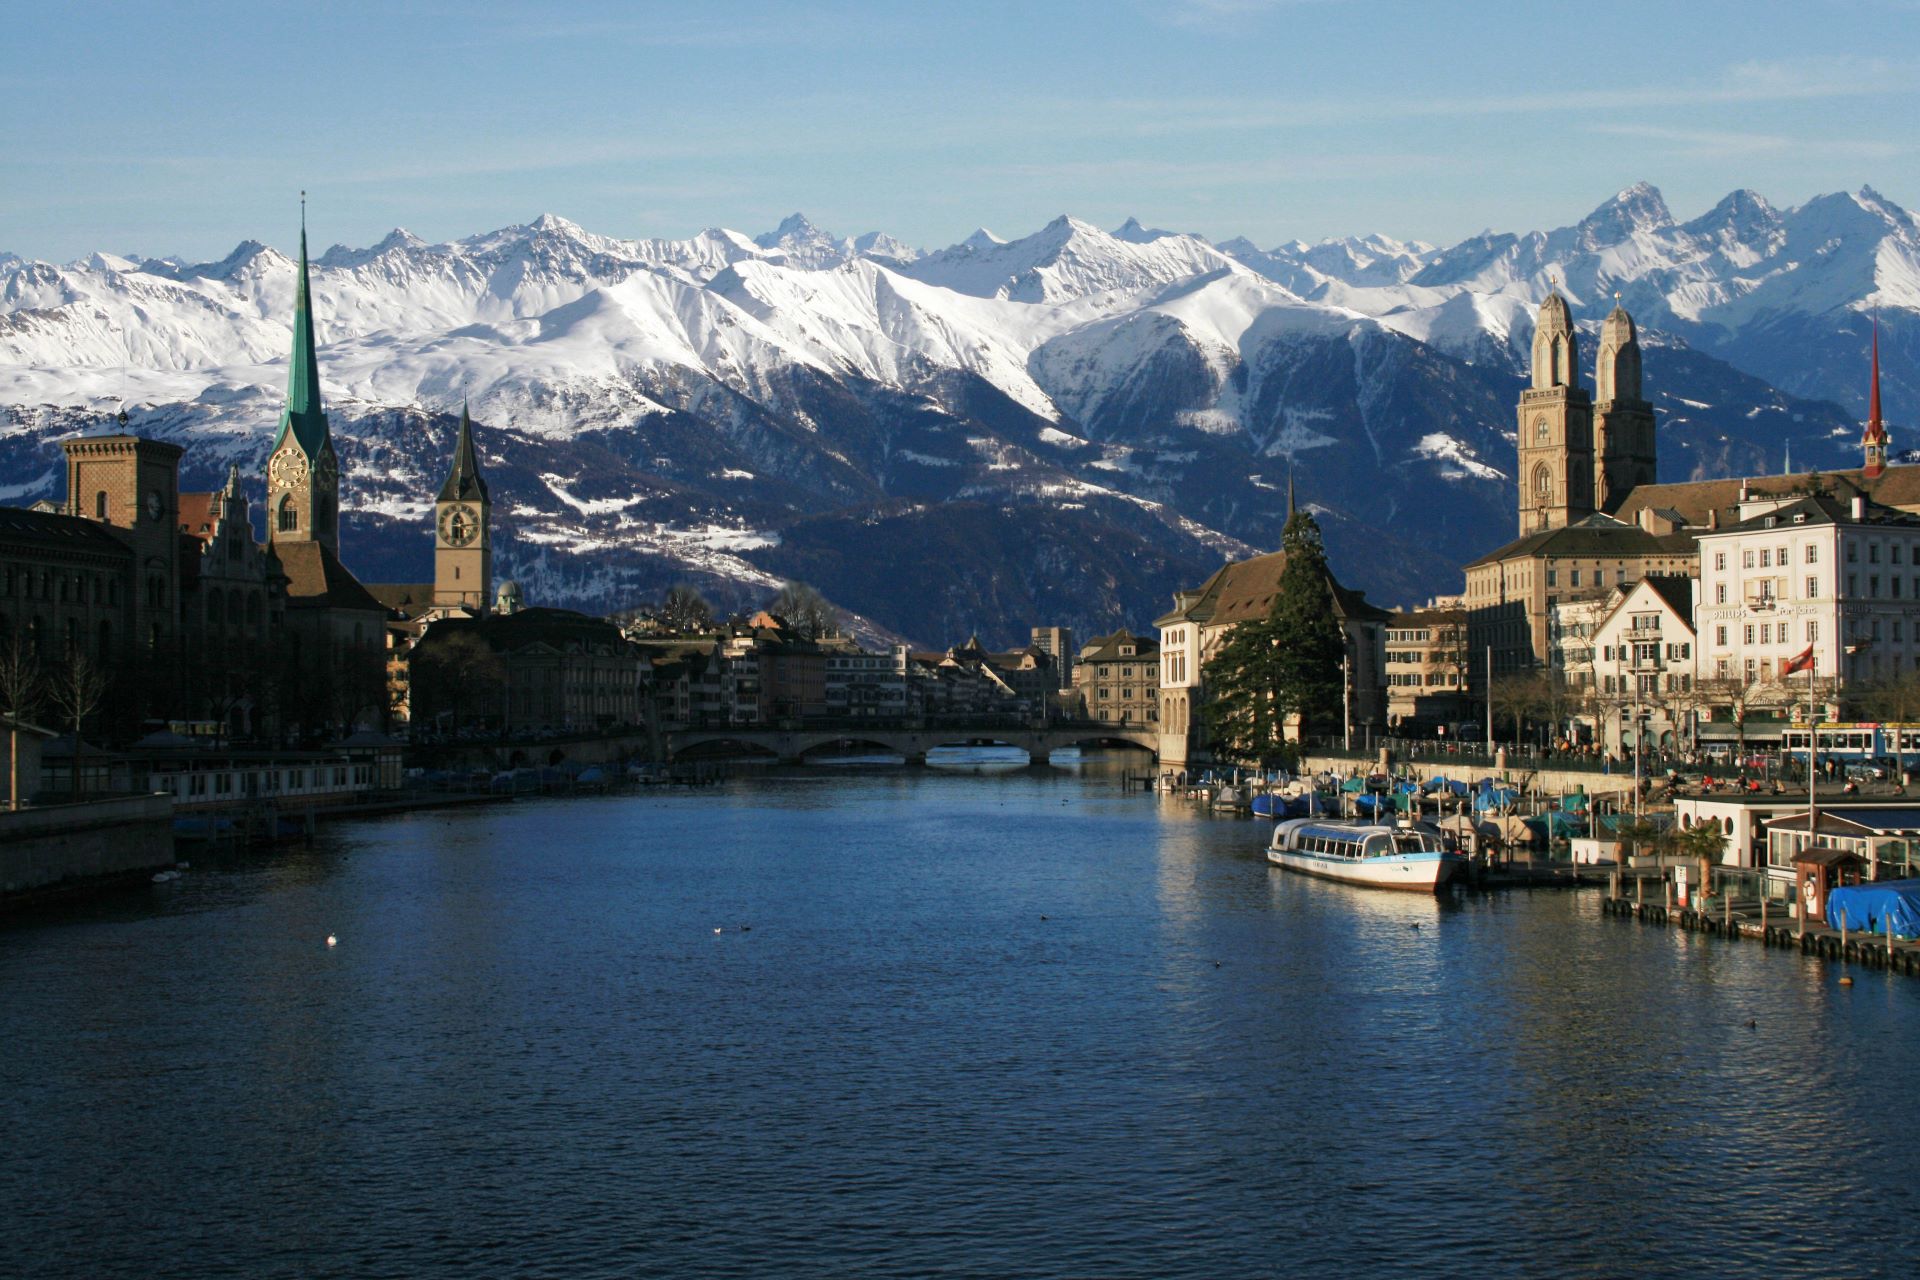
{"x":1062,"y":427}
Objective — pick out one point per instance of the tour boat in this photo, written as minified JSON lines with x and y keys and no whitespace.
{"x":1369,"y":853}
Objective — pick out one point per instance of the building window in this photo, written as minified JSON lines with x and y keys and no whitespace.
{"x":100,"y":505}
{"x":1853,"y":553}
{"x":1719,"y":593}
{"x":1575,"y":578}
{"x":1720,"y":560}
{"x":1746,"y":558}
{"x":1720,"y":636}
{"x":1766,"y":558}
{"x":1813,"y":588}
{"x":1749,"y":635}
{"x":1873,"y":553}
{"x":289,"y":515}
{"x":1813,"y":629}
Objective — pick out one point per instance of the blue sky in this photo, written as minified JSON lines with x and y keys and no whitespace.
{"x":186,"y":128}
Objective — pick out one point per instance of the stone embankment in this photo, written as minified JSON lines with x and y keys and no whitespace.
{"x":50,"y":848}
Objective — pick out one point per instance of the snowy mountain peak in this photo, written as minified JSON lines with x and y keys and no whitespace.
{"x":1133,"y":233}
{"x":398,"y":240}
{"x":793,"y":227}
{"x":981,"y":239}
{"x":1638,"y":208}
{"x":553,"y":223}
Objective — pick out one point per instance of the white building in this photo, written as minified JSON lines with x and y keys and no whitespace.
{"x":1840,"y":574}
{"x":1643,"y":664}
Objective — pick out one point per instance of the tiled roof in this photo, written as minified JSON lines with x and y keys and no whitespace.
{"x":1107,"y":648}
{"x":1676,"y":589}
{"x":1694,"y":499}
{"x":196,"y":514}
{"x":1597,"y":535}
{"x":1245,"y":590}
{"x":406,"y":598}
{"x":45,"y":528}
{"x":317,"y":579}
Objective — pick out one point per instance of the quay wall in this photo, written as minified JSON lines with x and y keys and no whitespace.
{"x":54,"y":846}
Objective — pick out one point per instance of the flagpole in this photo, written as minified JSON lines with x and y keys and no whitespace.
{"x":1813,"y":782}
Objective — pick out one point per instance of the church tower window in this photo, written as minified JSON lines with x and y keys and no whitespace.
{"x":289,"y":520}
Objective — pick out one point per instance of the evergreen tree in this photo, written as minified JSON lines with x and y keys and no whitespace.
{"x":1283,"y":665}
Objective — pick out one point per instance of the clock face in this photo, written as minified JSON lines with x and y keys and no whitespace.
{"x":287,"y":469}
{"x":154,"y":506}
{"x":326,"y":472}
{"x":459,"y":525}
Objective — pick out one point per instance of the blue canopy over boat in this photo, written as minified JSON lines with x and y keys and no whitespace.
{"x":1868,"y":907}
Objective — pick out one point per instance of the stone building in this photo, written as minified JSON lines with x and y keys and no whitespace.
{"x":1427,"y":661}
{"x":1117,"y":679}
{"x":1581,"y":466}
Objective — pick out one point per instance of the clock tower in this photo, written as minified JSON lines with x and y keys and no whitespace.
{"x":1556,"y":429}
{"x":462,"y":536}
{"x":303,"y":473}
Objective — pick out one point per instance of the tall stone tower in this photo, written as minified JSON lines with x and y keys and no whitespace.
{"x":1556,"y":428}
{"x":303,"y":474}
{"x":462,"y":531}
{"x":1873,"y":442}
{"x":1623,"y":445}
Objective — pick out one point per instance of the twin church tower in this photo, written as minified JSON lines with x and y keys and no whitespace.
{"x":303,"y":481}
{"x":1578,"y":453}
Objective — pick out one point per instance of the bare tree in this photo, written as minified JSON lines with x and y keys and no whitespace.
{"x":1737,"y":698}
{"x":77,"y":690}
{"x":21,"y":688}
{"x":809,"y":613}
{"x":686,"y":610}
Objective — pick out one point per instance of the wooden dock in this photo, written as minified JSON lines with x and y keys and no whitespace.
{"x":1868,"y":950}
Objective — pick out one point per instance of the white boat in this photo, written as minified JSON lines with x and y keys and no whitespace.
{"x":1369,"y":853}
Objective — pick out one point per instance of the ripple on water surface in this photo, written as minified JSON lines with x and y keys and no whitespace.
{"x":1016,"y":1024}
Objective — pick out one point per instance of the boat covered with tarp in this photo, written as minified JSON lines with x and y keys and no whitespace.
{"x":1868,"y":908}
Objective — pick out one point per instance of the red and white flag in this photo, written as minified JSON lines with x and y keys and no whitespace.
{"x":1801,"y":661}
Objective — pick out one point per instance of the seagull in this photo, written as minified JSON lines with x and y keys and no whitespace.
{"x":719,"y":930}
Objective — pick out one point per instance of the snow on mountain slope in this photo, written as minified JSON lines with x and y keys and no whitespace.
{"x":660,"y":398}
{"x":1064,"y":260}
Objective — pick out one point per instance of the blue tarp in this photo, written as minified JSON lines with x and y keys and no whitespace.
{"x":1868,"y":907}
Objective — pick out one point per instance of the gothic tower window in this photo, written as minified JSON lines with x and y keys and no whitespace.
{"x":289,"y":515}
{"x":1543,"y":483}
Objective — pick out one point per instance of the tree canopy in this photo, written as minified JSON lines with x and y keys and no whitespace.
{"x":809,"y":613}
{"x":1281,"y":666}
{"x":686,"y":610}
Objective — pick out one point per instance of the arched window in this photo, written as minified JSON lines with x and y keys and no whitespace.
{"x":1542,"y":483}
{"x":289,"y":514}
{"x":100,"y":505}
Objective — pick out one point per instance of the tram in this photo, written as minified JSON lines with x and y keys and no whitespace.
{"x":1856,"y":743}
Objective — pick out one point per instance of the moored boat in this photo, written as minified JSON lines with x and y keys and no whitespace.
{"x":1368,"y":853}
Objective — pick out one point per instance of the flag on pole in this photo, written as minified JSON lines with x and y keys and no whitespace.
{"x":1802,"y":661}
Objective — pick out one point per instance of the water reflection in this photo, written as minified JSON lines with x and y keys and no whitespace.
{"x":1017,"y":1024}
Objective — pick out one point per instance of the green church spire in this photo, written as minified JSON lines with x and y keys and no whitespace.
{"x":303,"y":415}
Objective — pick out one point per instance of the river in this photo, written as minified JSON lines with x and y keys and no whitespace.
{"x":916,"y":1022}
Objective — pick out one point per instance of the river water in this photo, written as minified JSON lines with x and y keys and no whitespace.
{"x":1012,"y":1025}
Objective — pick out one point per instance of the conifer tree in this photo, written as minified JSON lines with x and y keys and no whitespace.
{"x":1285,"y":664}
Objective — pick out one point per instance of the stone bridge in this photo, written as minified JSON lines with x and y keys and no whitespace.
{"x":797,"y":745}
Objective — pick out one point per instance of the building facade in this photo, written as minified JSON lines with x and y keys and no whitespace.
{"x":1427,"y":664}
{"x":1117,"y":679}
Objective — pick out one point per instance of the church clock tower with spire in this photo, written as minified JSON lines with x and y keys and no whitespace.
{"x":303,"y":473}
{"x":462,"y":531}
